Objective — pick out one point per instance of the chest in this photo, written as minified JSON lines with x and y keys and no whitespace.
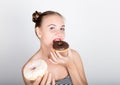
{"x":58,"y":71}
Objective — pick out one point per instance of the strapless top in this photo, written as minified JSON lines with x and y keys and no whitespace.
{"x":66,"y":81}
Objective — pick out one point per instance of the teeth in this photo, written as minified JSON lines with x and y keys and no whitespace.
{"x":58,"y":39}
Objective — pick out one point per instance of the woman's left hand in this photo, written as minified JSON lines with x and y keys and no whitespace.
{"x":57,"y":58}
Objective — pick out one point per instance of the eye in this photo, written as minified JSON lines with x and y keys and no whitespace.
{"x":51,"y":28}
{"x":63,"y":29}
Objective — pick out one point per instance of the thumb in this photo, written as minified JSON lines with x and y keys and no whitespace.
{"x":69,"y":52}
{"x":37,"y":81}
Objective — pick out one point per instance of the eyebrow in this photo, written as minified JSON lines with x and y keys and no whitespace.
{"x":55,"y":25}
{"x":63,"y":26}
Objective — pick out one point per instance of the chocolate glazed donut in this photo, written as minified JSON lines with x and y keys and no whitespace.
{"x":61,"y":46}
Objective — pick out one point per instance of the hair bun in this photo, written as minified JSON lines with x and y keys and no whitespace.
{"x":35,"y":16}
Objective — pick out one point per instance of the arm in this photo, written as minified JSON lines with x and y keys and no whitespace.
{"x":74,"y":65}
{"x":76,"y":70}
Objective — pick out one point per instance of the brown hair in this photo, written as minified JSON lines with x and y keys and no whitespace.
{"x":38,"y":16}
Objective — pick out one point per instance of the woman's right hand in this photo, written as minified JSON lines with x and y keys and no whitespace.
{"x":47,"y":79}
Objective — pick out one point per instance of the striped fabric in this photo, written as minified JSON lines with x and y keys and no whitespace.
{"x":65,"y":81}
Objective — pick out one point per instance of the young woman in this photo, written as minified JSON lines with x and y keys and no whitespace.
{"x":62,"y":70}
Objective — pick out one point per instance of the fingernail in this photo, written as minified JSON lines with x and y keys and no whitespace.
{"x":50,"y":74}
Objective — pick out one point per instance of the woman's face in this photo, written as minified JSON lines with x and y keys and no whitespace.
{"x":52,"y":28}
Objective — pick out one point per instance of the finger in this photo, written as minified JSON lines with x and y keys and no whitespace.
{"x":53,"y":81}
{"x":49,"y":79}
{"x":53,"y":56}
{"x":37,"y":81}
{"x":69,"y":52}
{"x":59,"y":55}
{"x":53,"y":59}
{"x":44,"y":79}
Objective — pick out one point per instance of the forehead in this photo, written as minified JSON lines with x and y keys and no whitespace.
{"x":52,"y":19}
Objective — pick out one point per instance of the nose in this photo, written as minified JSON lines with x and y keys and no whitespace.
{"x":60,"y":34}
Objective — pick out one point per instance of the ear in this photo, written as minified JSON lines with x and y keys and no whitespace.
{"x":38,"y":32}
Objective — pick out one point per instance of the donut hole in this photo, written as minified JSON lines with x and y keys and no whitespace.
{"x":33,"y":68}
{"x":60,"y":43}
{"x":61,"y":47}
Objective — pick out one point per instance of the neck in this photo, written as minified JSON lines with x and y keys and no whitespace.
{"x":45,"y":51}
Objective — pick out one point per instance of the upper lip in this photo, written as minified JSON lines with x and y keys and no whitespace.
{"x":57,"y":39}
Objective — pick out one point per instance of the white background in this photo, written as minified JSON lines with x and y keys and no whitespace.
{"x":92,"y":28}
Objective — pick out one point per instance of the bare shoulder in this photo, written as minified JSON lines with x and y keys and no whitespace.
{"x":76,"y":56}
{"x":32,"y":58}
{"x":22,"y":71}
{"x":75,"y":53}
{"x":26,"y":63}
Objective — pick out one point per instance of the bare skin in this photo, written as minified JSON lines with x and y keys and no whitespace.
{"x":58,"y":66}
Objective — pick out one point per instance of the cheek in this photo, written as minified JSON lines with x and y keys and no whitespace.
{"x":47,"y":38}
{"x":63,"y":35}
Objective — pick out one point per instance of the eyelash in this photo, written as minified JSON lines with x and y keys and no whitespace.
{"x":51,"y":28}
{"x":62,"y":29}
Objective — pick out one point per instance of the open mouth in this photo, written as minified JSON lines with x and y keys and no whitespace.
{"x":57,"y":39}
